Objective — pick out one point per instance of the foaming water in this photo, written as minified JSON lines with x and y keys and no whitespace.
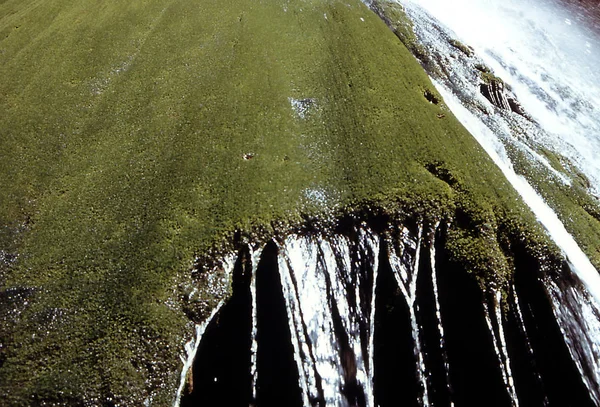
{"x":548,"y":57}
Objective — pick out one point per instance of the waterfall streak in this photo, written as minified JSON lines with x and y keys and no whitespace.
{"x":336,"y":258}
{"x":255,"y":258}
{"x":578,"y":317}
{"x":191,"y":347}
{"x":310,"y":274}
{"x":523,"y":330}
{"x":505,"y":359}
{"x":488,"y":321}
{"x":302,"y":356}
{"x":405,"y":267}
{"x":438,"y":310}
{"x":322,"y":290}
{"x":521,"y":323}
{"x":370,"y":241}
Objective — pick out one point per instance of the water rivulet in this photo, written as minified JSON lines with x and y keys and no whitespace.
{"x":379,"y":314}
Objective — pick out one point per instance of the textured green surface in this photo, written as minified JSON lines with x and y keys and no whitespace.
{"x":125,"y":129}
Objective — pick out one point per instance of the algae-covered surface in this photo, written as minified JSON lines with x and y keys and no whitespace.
{"x":136,"y":135}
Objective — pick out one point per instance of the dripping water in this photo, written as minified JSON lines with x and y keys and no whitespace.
{"x":438,"y":319}
{"x":384,"y":318}
{"x":494,"y":322}
{"x":405,"y":266}
{"x":254,"y":258}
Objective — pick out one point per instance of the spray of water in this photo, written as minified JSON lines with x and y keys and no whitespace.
{"x":549,"y":58}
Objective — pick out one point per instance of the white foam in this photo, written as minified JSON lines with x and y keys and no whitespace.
{"x":548,"y":63}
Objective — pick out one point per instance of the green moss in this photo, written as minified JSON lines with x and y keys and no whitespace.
{"x":395,"y":17}
{"x":126,"y":129}
{"x":489,"y":77}
{"x":465,"y":49}
{"x":576,"y":208}
{"x":483,"y":68}
{"x":554,"y":159}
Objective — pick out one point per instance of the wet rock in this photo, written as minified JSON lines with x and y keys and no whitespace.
{"x":465,"y":49}
{"x":221,"y":372}
{"x":494,"y":92}
{"x":497,"y":93}
{"x":431,"y":97}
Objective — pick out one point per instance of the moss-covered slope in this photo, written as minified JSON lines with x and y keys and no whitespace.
{"x":138,"y":134}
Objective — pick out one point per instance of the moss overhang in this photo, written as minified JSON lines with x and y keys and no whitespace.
{"x":138,"y":135}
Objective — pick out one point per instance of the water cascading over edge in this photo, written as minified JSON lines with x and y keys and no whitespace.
{"x":380,"y":315}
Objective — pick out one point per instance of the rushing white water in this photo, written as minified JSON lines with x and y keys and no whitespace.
{"x":547,"y":217}
{"x":294,"y":250}
{"x":322,"y":291}
{"x":579,"y":321}
{"x":343,"y":285}
{"x":310,"y":276}
{"x":548,"y":58}
{"x":492,"y":130}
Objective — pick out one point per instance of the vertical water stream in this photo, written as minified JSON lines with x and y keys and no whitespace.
{"x":363,"y":318}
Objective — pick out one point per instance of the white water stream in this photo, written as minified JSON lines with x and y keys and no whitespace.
{"x":319,"y":280}
{"x":548,"y":58}
{"x":405,"y":266}
{"x":536,"y":49}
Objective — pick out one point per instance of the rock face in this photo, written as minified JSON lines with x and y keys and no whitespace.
{"x":342,"y":317}
{"x":495,"y":91}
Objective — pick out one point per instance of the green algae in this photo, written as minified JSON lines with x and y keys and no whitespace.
{"x":137,"y":135}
